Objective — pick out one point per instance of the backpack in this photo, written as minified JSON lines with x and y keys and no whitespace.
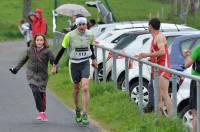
{"x":196,"y":66}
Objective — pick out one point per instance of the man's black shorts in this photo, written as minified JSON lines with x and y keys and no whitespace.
{"x":79,"y":71}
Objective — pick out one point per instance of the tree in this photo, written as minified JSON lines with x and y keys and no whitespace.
{"x":175,"y":7}
{"x":194,"y":6}
{"x":185,"y":6}
{"x":27,"y":8}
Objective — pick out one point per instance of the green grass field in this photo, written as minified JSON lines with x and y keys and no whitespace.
{"x":112,"y":108}
{"x":124,"y":10}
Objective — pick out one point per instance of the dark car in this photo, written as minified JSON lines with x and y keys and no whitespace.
{"x":177,"y":61}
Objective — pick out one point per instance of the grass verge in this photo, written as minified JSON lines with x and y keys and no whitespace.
{"x":112,"y":108}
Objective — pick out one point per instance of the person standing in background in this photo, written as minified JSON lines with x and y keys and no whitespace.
{"x":25,"y":29}
{"x":194,"y":60}
{"x":38,"y":22}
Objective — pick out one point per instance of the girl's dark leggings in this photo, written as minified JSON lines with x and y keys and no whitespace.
{"x":40,"y":98}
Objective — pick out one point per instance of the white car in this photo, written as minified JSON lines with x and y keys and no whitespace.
{"x":177,"y":61}
{"x":141,"y":44}
{"x":104,"y":28}
{"x":113,"y":37}
{"x":129,"y":36}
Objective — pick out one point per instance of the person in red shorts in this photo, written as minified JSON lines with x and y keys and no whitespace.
{"x":159,"y":54}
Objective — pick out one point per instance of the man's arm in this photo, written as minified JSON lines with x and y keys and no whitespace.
{"x":59,"y":55}
{"x":190,"y":58}
{"x":93,"y":57}
{"x":92,"y":43}
{"x":65,"y":44}
{"x":188,"y":62}
{"x":92,"y":50}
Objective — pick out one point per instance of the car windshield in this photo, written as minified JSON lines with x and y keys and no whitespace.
{"x":119,"y":38}
{"x":186,"y":45}
{"x":197,"y":42}
{"x":125,"y":41}
{"x":170,"y":40}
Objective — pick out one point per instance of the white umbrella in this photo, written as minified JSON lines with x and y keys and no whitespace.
{"x":72,"y":9}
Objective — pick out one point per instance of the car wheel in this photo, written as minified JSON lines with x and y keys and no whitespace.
{"x":109,"y":76}
{"x":100,"y":73}
{"x":186,"y":116}
{"x":120,"y":82}
{"x":134,"y":93}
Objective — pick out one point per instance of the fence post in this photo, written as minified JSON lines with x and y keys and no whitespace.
{"x":114,"y":68}
{"x":140,"y":87}
{"x":198,"y":106}
{"x":54,"y":40}
{"x":156,"y":90}
{"x":126,"y":76}
{"x":104,"y":65}
{"x":174,"y":94}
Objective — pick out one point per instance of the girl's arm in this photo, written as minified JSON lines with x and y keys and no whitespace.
{"x":20,"y":64}
{"x":51,"y":57}
{"x":22,"y":61}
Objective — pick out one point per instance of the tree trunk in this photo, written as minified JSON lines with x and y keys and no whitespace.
{"x":185,"y":5}
{"x":194,"y":6}
{"x":27,"y":8}
{"x":174,"y":7}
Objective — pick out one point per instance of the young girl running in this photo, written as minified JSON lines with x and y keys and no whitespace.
{"x":37,"y":56}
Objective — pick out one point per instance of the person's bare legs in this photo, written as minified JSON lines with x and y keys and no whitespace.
{"x":76,"y":92}
{"x":85,"y":97}
{"x":163,"y":87}
{"x":194,"y":121}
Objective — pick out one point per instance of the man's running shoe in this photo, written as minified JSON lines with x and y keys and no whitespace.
{"x":85,"y":119}
{"x":78,"y":116}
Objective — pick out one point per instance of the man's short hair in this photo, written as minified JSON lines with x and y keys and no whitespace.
{"x":79,"y":15}
{"x":155,"y":23}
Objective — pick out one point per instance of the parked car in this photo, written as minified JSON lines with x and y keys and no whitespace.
{"x":165,"y":27}
{"x":125,"y":40}
{"x":100,"y":29}
{"x":118,"y":35}
{"x":141,"y":44}
{"x":110,"y":42}
{"x":177,"y":61}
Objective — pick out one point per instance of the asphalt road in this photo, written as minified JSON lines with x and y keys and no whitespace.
{"x":17,"y":107}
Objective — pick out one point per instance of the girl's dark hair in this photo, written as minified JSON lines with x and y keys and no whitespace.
{"x":46,"y":45}
{"x":22,"y":21}
{"x":155,"y":23}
